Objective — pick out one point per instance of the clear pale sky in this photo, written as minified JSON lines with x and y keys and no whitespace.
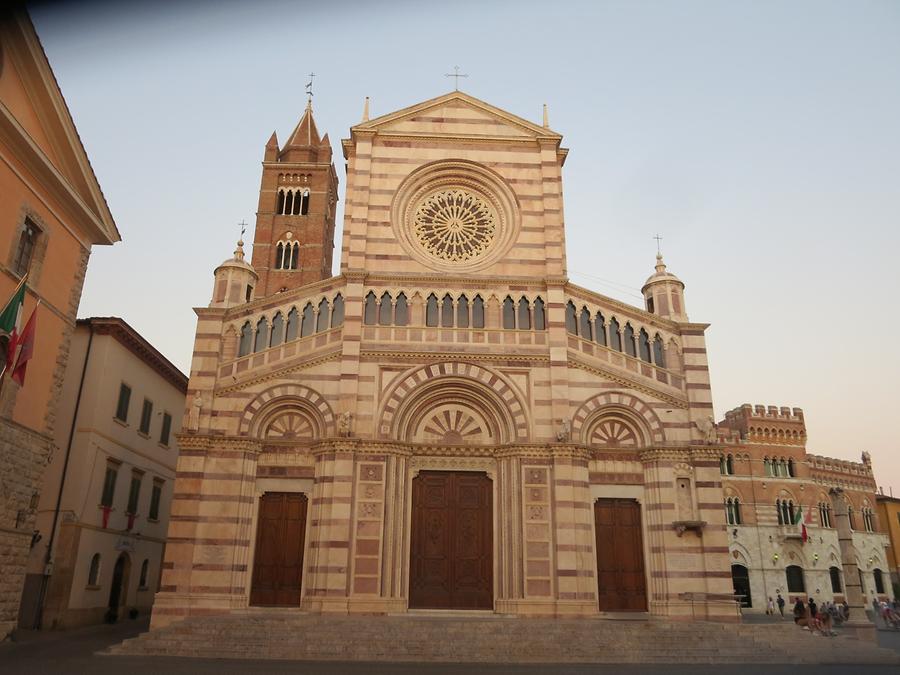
{"x":761,"y":140}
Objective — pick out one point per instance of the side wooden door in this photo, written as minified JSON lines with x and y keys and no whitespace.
{"x":280,"y":540}
{"x":621,"y":583}
{"x":451,"y":550}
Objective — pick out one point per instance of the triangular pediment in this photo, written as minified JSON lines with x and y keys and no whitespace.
{"x":456,"y":115}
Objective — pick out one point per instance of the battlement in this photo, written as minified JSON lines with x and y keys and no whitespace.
{"x":767,"y":424}
{"x":843,"y":466}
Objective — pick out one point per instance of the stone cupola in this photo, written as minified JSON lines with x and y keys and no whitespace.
{"x":235,"y":281}
{"x":664,"y":293}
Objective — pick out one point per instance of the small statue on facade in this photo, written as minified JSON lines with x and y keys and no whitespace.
{"x":194,"y":414}
{"x":707,"y":427}
{"x":866,"y":458}
{"x":565,"y":430}
{"x":344,"y":420}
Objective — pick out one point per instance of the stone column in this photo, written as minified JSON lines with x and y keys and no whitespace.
{"x":858,"y":624}
{"x":510,"y":584}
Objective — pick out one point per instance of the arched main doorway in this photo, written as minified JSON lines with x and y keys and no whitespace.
{"x":118,"y":592}
{"x":740,"y":578}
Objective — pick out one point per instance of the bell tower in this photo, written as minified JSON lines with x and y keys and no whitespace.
{"x":294,"y":240}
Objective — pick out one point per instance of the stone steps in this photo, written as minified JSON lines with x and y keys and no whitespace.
{"x":492,"y":639}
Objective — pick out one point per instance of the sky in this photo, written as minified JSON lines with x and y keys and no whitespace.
{"x":760,"y":140}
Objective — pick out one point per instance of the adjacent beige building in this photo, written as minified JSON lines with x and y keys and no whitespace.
{"x":109,"y":486}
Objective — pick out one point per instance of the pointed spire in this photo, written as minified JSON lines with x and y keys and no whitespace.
{"x":366,"y":110}
{"x":546,"y":117}
{"x":305,"y":133}
{"x":273,"y":141}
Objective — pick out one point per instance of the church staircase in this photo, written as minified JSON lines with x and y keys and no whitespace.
{"x":469,"y":638}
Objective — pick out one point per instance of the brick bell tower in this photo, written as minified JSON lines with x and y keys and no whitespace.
{"x":294,"y":240}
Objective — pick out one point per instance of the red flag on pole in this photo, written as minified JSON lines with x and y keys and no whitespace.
{"x":25,"y":341}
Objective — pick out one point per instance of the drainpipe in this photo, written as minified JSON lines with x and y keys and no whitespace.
{"x":48,"y":558}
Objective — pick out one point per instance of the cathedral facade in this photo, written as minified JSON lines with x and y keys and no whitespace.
{"x":448,"y":423}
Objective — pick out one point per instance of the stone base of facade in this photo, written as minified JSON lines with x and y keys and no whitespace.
{"x":697,"y":610}
{"x":171,"y":607}
{"x":546,"y":608}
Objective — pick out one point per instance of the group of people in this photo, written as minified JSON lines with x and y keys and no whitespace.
{"x":820,"y":619}
{"x":888,"y":611}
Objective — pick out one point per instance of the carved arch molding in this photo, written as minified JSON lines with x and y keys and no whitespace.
{"x":453,"y":403}
{"x":288,"y":412}
{"x":617,"y":419}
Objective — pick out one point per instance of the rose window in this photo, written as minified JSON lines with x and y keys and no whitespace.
{"x":455,"y":225}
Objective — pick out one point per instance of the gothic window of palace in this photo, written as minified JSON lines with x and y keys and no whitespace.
{"x":584,"y":324}
{"x":477,"y":312}
{"x":307,"y":324}
{"x":262,"y":335}
{"x":401,"y":311}
{"x":599,"y":329}
{"x":540,"y":320}
{"x":615,"y":337}
{"x":524,"y":317}
{"x":790,"y":468}
{"x":726,"y":464}
{"x":644,"y":340}
{"x":824,"y":514}
{"x":462,"y":312}
{"x":509,"y":313}
{"x":277,"y":335}
{"x":835,"y":574}
{"x":868,"y":520}
{"x":795,"y":583}
{"x":733,"y":511}
{"x":850,"y":517}
{"x":370,"y":311}
{"x":322,"y":318}
{"x":431,"y":311}
{"x":385,"y":310}
{"x":571,"y":319}
{"x":628,"y":337}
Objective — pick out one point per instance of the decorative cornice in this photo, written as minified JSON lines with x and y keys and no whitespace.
{"x":191,"y":441}
{"x":683,"y":454}
{"x":418,"y":356}
{"x":281,"y":372}
{"x":627,"y":382}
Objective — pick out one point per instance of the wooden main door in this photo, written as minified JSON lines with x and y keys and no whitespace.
{"x":451,"y":549}
{"x":620,"y":556}
{"x":280,"y":539}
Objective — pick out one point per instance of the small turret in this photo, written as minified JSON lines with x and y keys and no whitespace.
{"x":664,"y":293}
{"x":235,"y":280}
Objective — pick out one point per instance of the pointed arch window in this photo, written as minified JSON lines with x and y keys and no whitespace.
{"x":322,"y":318}
{"x":540,"y":318}
{"x":293,"y":323}
{"x":401,"y":310}
{"x":246,"y":341}
{"x":615,"y":338}
{"x":628,"y":337}
{"x":879,"y":581}
{"x":288,"y":204}
{"x":509,"y":313}
{"x":431,"y":310}
{"x":337,"y":316}
{"x":790,"y":468}
{"x":279,"y":254}
{"x":850,"y":517}
{"x":644,"y":340}
{"x":659,"y":357}
{"x":307,"y":325}
{"x":370,"y":312}
{"x":571,"y":320}
{"x":385,"y":310}
{"x":304,"y":207}
{"x":279,"y":203}
{"x":262,"y":335}
{"x":733,"y":511}
{"x":524,"y":315}
{"x":835,"y":574}
{"x":295,"y":256}
{"x":767,"y":466}
{"x":584,"y":324}
{"x":477,"y":312}
{"x":447,"y":311}
{"x":277,"y":335}
{"x":462,"y":312}
{"x":94,"y":571}
{"x":599,"y":329}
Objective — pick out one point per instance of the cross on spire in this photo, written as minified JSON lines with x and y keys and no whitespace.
{"x":658,"y":242}
{"x":243,"y":225}
{"x":455,"y":75}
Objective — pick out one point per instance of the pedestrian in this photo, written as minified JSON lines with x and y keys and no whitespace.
{"x":781,"y":605}
{"x":813,"y":609}
{"x":770,"y":607}
{"x":799,"y":610}
{"x":845,"y":610}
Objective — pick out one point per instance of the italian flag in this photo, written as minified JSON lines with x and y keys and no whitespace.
{"x":798,"y":520}
{"x":11,"y":320}
{"x":26,"y":342}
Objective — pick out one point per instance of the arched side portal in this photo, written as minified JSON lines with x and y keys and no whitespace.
{"x":453,"y":403}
